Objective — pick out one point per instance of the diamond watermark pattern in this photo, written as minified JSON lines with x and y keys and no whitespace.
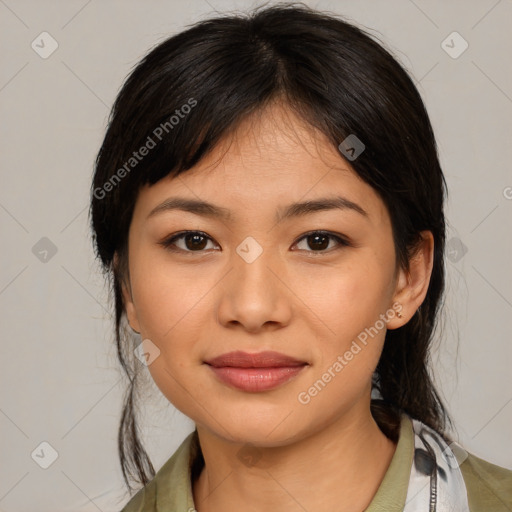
{"x":455,"y":455}
{"x":146,"y":352}
{"x":249,"y":249}
{"x":455,"y":250}
{"x":44,"y":455}
{"x":44,"y":250}
{"x":454,"y":45}
{"x":44,"y":45}
{"x":249,"y":455}
{"x":351,"y":147}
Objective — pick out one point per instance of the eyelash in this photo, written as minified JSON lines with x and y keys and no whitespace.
{"x":169,"y":242}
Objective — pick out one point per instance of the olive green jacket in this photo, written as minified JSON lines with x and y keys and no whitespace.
{"x":489,"y":487}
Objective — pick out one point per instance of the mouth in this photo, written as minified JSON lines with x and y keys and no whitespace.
{"x":258,"y":372}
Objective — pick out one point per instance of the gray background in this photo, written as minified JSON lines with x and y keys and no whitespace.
{"x":60,"y":380}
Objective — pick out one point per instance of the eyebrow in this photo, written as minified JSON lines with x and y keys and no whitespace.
{"x":206,"y":209}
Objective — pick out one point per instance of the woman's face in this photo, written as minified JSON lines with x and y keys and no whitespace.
{"x":258,"y":277}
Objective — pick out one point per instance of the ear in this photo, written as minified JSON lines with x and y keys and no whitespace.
{"x":412,"y":285}
{"x":129,"y":306}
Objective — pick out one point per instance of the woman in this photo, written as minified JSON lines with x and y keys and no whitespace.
{"x":268,"y":202}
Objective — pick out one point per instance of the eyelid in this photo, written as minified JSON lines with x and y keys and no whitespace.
{"x":342,"y":240}
{"x":168,"y":242}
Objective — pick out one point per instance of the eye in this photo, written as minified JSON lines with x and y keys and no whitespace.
{"x":190,"y":241}
{"x":320,"y":240}
{"x":196,"y":241}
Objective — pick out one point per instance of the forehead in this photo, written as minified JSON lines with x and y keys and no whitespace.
{"x":274,"y":139}
{"x":272,"y":158}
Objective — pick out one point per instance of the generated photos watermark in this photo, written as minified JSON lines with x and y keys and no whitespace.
{"x":304,"y":397}
{"x":151,"y":142}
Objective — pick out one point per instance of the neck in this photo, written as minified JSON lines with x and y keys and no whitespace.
{"x":337,"y":468}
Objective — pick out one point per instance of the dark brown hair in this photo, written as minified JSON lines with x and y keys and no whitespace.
{"x":341,"y":81}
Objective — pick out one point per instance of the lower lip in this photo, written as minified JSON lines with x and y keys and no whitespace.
{"x":256,"y":379}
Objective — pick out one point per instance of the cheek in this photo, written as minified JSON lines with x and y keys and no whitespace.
{"x":349,"y":301}
{"x":166,"y":300}
{"x":349,"y":298}
{"x":349,"y":304}
{"x":163,"y":294}
{"x":171,"y":308}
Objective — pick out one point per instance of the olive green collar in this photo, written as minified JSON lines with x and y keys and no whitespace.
{"x":173,"y":486}
{"x":392,"y":492}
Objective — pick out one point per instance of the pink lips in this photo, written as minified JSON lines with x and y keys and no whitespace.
{"x":255,"y":372}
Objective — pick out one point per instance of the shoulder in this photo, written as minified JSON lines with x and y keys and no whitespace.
{"x":489,"y":487}
{"x":170,"y":489}
{"x":143,"y":500}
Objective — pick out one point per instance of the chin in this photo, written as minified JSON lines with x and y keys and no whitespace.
{"x":258,"y":429}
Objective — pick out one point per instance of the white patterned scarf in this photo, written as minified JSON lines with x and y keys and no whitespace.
{"x":436,"y":480}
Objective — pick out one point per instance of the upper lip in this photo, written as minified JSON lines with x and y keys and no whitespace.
{"x":267,"y":359}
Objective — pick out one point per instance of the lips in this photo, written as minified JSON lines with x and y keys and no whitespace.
{"x":255,"y":372}
{"x":259,"y":360}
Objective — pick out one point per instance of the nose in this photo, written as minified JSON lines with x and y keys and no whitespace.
{"x":253,"y":295}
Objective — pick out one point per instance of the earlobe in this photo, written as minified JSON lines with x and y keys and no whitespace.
{"x":412,"y":284}
{"x":126,"y":292}
{"x":131,"y":313}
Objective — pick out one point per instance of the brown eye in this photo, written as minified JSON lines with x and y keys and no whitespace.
{"x":318,"y":241}
{"x":195,"y":242}
{"x":188,"y":241}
